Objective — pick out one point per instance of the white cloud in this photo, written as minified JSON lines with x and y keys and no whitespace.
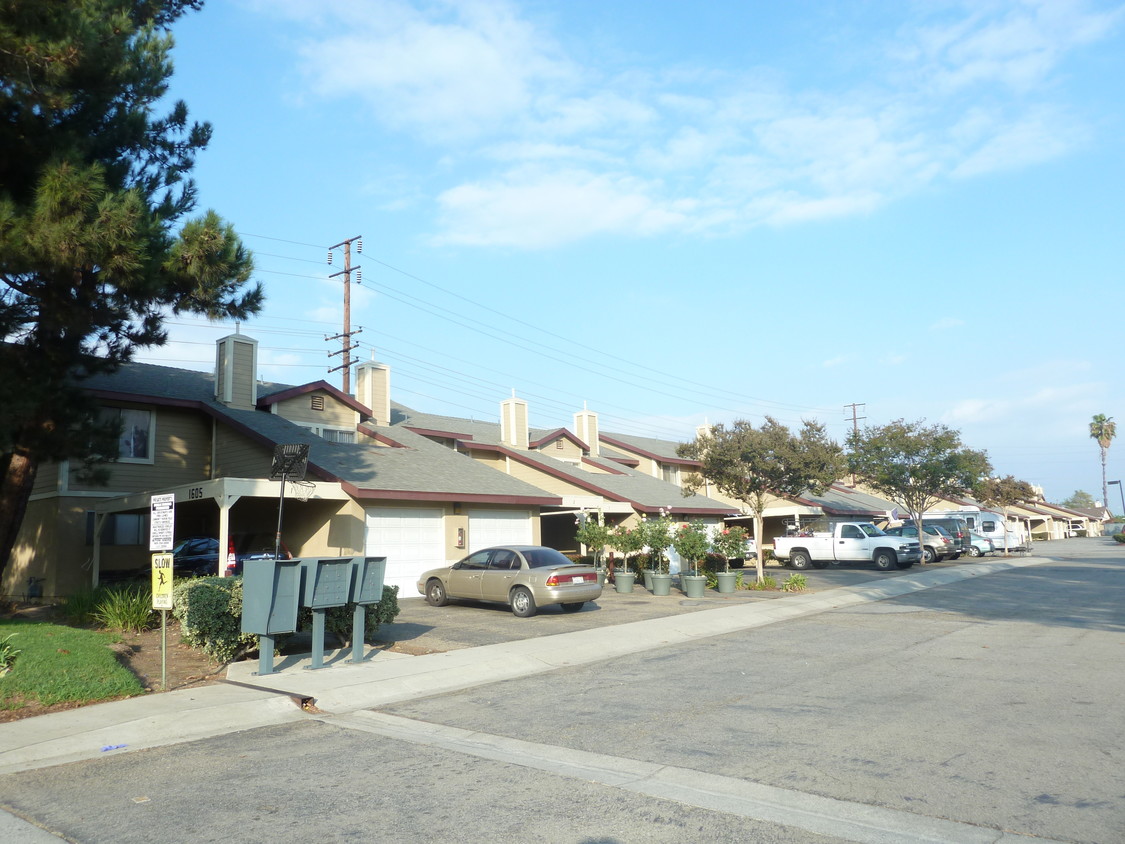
{"x":566,"y":151}
{"x":548,"y":208}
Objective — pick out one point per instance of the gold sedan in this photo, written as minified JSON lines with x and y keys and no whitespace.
{"x":525,"y":577}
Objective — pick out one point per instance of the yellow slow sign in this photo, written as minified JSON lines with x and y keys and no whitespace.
{"x":162,"y":581}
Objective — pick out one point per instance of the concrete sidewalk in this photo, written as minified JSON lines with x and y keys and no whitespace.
{"x":246,"y":701}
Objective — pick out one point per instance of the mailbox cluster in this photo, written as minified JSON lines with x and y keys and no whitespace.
{"x":274,"y":591}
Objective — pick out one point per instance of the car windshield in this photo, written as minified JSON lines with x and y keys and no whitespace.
{"x":538,"y":558}
{"x":871,"y":530}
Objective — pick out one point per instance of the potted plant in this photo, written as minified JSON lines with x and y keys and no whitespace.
{"x":595,"y":535}
{"x":658,"y":536}
{"x":730,"y":542}
{"x":691,"y":543}
{"x":628,"y":542}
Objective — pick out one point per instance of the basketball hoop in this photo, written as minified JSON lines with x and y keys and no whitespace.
{"x":289,"y":461}
{"x":302,"y":490}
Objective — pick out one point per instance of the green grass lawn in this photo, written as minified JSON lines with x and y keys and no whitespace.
{"x":58,"y":664}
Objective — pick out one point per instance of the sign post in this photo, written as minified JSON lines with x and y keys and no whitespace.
{"x":161,"y":537}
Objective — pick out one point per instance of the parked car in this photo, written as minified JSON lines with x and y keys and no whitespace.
{"x":980,"y":545}
{"x":937,"y":546}
{"x":956,"y":526}
{"x":198,"y":556}
{"x":525,"y":577}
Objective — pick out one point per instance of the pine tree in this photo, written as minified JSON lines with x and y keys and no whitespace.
{"x":95,"y":250}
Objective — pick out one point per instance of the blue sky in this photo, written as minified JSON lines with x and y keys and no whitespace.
{"x":677,"y":213}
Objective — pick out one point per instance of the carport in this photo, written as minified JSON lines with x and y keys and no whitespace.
{"x":199,"y":503}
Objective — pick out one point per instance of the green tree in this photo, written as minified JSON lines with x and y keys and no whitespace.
{"x":1103,"y":429}
{"x":751,"y":464}
{"x":594,"y":534}
{"x":1003,"y":493}
{"x":692,"y":541}
{"x":915,"y":465}
{"x":1080,"y":500}
{"x":628,"y":541}
{"x":95,"y":247}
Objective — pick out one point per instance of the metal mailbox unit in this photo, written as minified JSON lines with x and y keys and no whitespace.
{"x":275,"y":590}
{"x":271,"y":593}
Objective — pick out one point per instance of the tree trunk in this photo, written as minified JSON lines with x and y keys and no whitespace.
{"x":759,"y":560}
{"x":16,"y":484}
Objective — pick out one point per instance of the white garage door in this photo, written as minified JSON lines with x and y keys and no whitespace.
{"x":411,"y":540}
{"x":499,"y":527}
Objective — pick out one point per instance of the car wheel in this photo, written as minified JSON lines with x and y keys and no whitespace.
{"x":573,"y":607}
{"x":885,"y":560}
{"x":928,"y":555}
{"x":435,"y":594}
{"x":523,"y":605}
{"x":974,"y":551}
{"x":800,"y":560}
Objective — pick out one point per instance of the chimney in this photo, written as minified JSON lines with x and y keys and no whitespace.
{"x":373,"y":389}
{"x":513,"y":422}
{"x":586,"y":429}
{"x":236,"y":365}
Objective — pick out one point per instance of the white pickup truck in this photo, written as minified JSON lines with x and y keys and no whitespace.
{"x":847,"y":542}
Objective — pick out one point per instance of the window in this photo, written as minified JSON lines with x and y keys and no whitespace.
{"x":120,"y":529}
{"x":669,"y":473}
{"x":851,"y":532}
{"x":988,"y":527}
{"x":338,"y":435}
{"x":133,"y":444}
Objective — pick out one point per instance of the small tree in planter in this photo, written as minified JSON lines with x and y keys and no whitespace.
{"x":692,"y":543}
{"x":658,"y":536}
{"x":730,"y":542}
{"x":628,"y":542}
{"x":594,"y":535}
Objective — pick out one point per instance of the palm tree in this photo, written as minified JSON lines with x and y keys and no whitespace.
{"x":1103,"y":429}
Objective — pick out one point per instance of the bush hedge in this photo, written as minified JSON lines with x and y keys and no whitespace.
{"x":209,"y":610}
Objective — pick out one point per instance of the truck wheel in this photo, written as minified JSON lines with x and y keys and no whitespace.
{"x":800,"y":560}
{"x":885,"y":560}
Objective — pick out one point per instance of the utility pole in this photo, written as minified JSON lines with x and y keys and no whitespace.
{"x":345,"y":336}
{"x":855,"y":423}
{"x":855,"y":419}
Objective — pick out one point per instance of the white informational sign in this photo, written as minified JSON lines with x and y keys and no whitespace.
{"x":162,"y":522}
{"x":162,"y":581}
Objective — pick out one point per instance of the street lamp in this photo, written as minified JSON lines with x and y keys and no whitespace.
{"x":1122,"y":495}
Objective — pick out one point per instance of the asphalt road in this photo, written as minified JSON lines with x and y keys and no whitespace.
{"x":960,"y":711}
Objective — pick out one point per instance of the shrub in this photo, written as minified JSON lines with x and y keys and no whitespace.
{"x":210,"y":613}
{"x":78,"y":609}
{"x":795,"y":583}
{"x":8,"y":653}
{"x":767,"y":582}
{"x":209,"y":610}
{"x":338,"y":620}
{"x":125,"y":609}
{"x":1119,"y":537}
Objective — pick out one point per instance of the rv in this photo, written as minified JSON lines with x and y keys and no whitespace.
{"x":1004,"y":533}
